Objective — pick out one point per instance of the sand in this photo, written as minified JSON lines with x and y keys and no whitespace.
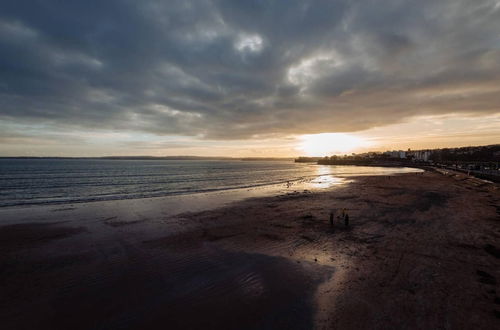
{"x":421,"y":251}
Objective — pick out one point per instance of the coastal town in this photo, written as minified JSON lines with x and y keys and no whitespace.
{"x":480,"y":161}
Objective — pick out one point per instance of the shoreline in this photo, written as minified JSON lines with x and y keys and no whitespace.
{"x":166,"y":207}
{"x":266,"y":189}
{"x":255,"y":190}
{"x":421,"y":252}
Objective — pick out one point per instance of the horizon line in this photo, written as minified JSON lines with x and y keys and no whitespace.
{"x":185,"y":157}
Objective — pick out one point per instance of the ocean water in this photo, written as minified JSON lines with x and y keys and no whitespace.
{"x":60,"y":181}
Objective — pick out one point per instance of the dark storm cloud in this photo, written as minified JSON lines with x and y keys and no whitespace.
{"x":236,"y":69}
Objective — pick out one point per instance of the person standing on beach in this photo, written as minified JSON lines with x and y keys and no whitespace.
{"x":332,"y":216}
{"x":346,"y":219}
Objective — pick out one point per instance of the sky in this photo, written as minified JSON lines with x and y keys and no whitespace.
{"x":247,"y":78}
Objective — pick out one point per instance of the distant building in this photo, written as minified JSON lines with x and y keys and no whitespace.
{"x":421,"y":155}
{"x":396,"y":154}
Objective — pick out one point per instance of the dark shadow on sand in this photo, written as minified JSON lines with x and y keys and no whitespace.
{"x":153,"y":288}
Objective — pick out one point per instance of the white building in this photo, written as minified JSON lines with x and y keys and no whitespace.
{"x":422,"y":155}
{"x":396,"y":154}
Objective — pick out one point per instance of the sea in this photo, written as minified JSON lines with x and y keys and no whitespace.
{"x":61,"y":181}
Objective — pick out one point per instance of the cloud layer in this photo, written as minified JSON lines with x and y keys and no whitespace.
{"x":241,"y":69}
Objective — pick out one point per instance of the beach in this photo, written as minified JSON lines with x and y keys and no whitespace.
{"x":421,"y":251}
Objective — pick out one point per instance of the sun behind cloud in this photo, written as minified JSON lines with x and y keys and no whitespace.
{"x":325,"y":144}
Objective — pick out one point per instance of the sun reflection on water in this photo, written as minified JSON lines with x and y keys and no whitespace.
{"x":325,"y":179}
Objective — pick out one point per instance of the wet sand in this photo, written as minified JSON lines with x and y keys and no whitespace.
{"x":421,"y":251}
